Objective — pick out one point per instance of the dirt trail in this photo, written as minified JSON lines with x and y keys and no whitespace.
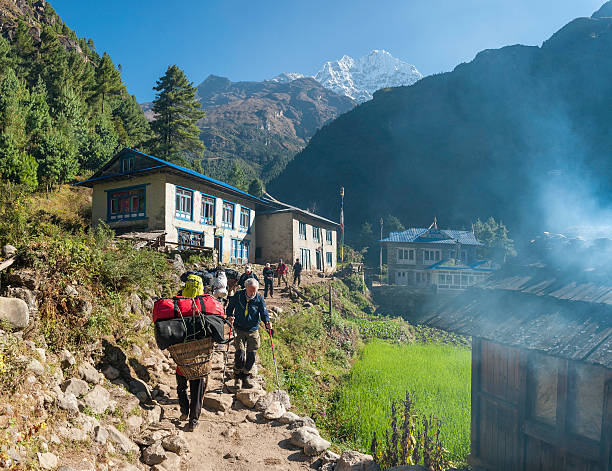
{"x":230,"y":440}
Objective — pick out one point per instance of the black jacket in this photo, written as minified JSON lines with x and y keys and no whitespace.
{"x":245,"y":277}
{"x":297,"y":268}
{"x":247,"y":312}
{"x":268,"y":273}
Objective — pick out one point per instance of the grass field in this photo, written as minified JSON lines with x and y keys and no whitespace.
{"x":438,"y":377}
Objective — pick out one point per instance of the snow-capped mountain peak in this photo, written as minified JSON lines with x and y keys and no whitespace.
{"x":287,"y":77}
{"x":360,"y":78}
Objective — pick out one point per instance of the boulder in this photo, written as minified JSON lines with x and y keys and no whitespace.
{"x":302,"y":422}
{"x":288,"y":418}
{"x":72,"y":434}
{"x":153,"y":454}
{"x":36,"y":367}
{"x":134,"y":422}
{"x":330,"y":457}
{"x":24,"y":277}
{"x":68,"y":402}
{"x":24,"y":294}
{"x":175,"y":444}
{"x":273,"y":396}
{"x":219,"y":402}
{"x":355,"y":461}
{"x":178,"y":264}
{"x":274,"y":411}
{"x":172,"y":463}
{"x":124,"y":444}
{"x":66,"y":359}
{"x":71,"y":291}
{"x":97,"y":399}
{"x":135,"y":304}
{"x":76,"y":386}
{"x":9,"y":250}
{"x":15,"y":311}
{"x":154,"y":415}
{"x":47,"y":460}
{"x":89,"y":373}
{"x":249,"y":397}
{"x":301,"y":436}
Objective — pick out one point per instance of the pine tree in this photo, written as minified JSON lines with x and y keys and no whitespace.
{"x":237,"y":177}
{"x":23,"y":51}
{"x":108,"y":80}
{"x":99,"y":145}
{"x":177,"y":111}
{"x":133,"y":121}
{"x":256,"y":187}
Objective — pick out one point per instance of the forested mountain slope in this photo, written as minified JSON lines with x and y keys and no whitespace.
{"x":63,"y":107}
{"x":503,"y":135}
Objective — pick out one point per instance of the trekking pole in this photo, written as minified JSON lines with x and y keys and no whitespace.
{"x":274,"y":358}
{"x":225,"y":355}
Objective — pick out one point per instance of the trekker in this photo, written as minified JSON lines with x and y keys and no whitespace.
{"x":268,"y":275}
{"x":245,"y":310}
{"x":191,"y":407}
{"x":297,"y":272}
{"x":248,"y":273}
{"x":281,"y":271}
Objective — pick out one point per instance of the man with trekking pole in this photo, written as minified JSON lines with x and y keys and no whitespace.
{"x":244,"y":312}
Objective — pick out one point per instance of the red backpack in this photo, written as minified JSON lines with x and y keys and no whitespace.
{"x":173,"y":308}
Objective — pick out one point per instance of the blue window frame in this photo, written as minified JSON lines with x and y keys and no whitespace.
{"x":127,"y":164}
{"x":227,"y":219}
{"x":329,"y":259}
{"x":208,"y":210}
{"x":245,"y":219}
{"x":240,"y":251}
{"x":190,"y":239}
{"x":329,"y":237}
{"x":302,"y":230}
{"x":126,"y":203}
{"x":316,"y":233}
{"x":184,"y":203}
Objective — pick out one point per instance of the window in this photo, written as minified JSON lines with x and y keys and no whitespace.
{"x":585,"y":400}
{"x":329,"y":259}
{"x":240,"y":251}
{"x":190,"y":239}
{"x":543,"y":373}
{"x":329,"y":237}
{"x":302,"y":230}
{"x":405,"y":255}
{"x":128,"y":203}
{"x":305,"y":258}
{"x":184,"y":203}
{"x":245,"y":218}
{"x":208,"y":210}
{"x":228,"y":215}
{"x":431,"y":256}
{"x":127,"y":164}
{"x":316,"y":233}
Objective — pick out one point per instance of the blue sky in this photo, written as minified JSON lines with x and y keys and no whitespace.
{"x":255,"y":40}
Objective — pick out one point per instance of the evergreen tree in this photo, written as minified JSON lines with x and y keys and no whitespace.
{"x":57,"y":160}
{"x":7,"y":59}
{"x":99,"y":145}
{"x":16,"y":165}
{"x":136,"y":129}
{"x":13,"y":109}
{"x":497,"y":244}
{"x":237,"y":177}
{"x":392,"y":224}
{"x":256,"y":187}
{"x":24,"y":51}
{"x":177,"y":111}
{"x":108,"y":80}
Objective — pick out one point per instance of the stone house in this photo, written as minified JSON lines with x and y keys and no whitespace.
{"x":446,"y":259}
{"x":136,"y":192}
{"x":290,"y":233}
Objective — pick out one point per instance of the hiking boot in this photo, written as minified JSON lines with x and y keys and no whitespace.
{"x":238,"y":377}
{"x":183,"y":417}
{"x":191,"y":426}
{"x":247,"y":382}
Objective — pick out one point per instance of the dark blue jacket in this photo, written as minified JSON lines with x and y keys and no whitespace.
{"x":255,"y":312}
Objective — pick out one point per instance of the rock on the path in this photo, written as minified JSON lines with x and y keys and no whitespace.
{"x":89,"y":373}
{"x":309,"y":439}
{"x":171,"y":463}
{"x":9,"y":250}
{"x":154,"y":415}
{"x":36,"y":367}
{"x":302,"y":422}
{"x":124,"y":443}
{"x":97,"y":399}
{"x":330,"y":457}
{"x":47,"y":460}
{"x":274,"y":411}
{"x":355,"y":461}
{"x":249,"y":397}
{"x":153,"y":454}
{"x":26,"y":294}
{"x":134,"y":422}
{"x":68,"y":402}
{"x":288,"y":418}
{"x":76,"y":386}
{"x":273,"y":396}
{"x":67,"y":359}
{"x":175,"y":444}
{"x":219,"y":402}
{"x":15,"y":311}
{"x":100,"y":435}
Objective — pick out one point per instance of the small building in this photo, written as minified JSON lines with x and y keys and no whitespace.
{"x":289,"y":233}
{"x":541,"y":368}
{"x":443,"y":258}
{"x":136,"y":192}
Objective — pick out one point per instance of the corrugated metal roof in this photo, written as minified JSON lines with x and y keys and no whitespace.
{"x":433,"y":236}
{"x":536,"y":309}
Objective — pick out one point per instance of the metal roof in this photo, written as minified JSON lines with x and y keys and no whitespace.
{"x":99,"y":177}
{"x":433,"y":236}
{"x":535,"y":308}
{"x":477,"y":266}
{"x":284,"y":207}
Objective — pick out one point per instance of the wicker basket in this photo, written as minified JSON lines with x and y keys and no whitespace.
{"x":194,"y":359}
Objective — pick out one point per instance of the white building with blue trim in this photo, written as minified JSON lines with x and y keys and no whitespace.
{"x":443,"y":258}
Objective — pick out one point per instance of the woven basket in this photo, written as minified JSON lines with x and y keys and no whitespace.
{"x":194,"y":359}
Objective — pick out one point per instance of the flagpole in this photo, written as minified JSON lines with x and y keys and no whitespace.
{"x":341,"y":224}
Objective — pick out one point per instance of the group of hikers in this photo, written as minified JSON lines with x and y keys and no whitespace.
{"x":269,"y":273}
{"x":245,"y":310}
